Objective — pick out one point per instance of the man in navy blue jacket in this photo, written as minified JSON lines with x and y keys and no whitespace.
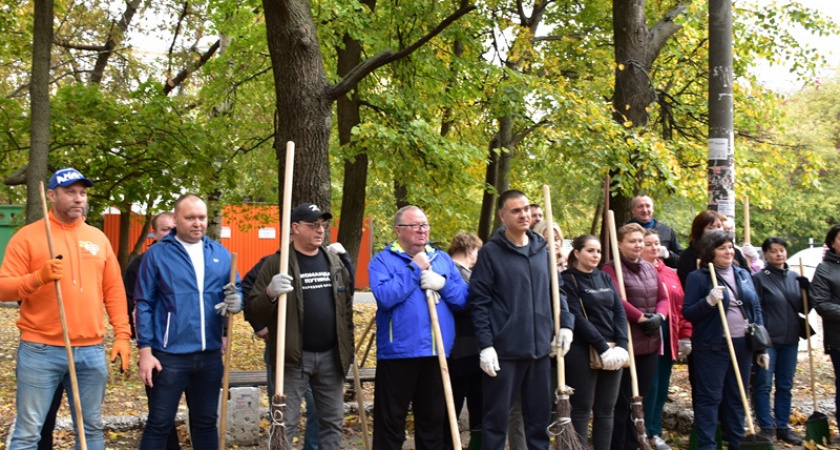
{"x":510,"y":291}
{"x":184,"y":281}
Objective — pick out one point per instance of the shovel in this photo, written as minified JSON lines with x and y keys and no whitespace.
{"x":751,"y":440}
{"x":817,"y":430}
{"x":277,"y":439}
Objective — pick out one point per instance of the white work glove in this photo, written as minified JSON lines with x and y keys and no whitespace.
{"x":232,"y":303}
{"x":280,"y":284}
{"x":489,"y":361}
{"x":336,"y":249}
{"x":622,"y":357}
{"x":663,"y":252}
{"x":715,"y":296}
{"x":749,"y":251}
{"x":608,"y":359}
{"x":763,"y":361}
{"x":684,"y":348}
{"x":430,"y":280}
{"x":562,"y":342}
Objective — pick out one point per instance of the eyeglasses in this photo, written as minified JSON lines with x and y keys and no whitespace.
{"x":316,"y":225}
{"x":416,"y":226}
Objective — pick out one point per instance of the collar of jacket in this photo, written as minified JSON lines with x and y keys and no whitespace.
{"x":633,"y":266}
{"x":649,"y":225}
{"x":831,"y":257}
{"x":397,"y":248}
{"x":775,"y":270}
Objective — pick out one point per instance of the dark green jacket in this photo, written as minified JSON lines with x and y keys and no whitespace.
{"x":264,"y":309}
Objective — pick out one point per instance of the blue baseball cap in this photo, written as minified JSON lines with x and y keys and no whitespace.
{"x":67,"y":176}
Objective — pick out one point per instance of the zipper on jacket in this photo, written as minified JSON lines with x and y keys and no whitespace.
{"x":390,"y":331}
{"x":166,"y":332}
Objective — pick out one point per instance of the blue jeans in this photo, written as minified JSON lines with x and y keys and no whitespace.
{"x":40,"y":369}
{"x":310,"y":434}
{"x":783,"y":366}
{"x":200,"y":376}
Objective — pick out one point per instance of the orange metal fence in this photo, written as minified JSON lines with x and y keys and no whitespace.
{"x":252,"y":231}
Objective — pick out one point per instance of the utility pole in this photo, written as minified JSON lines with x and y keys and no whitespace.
{"x":721,"y":171}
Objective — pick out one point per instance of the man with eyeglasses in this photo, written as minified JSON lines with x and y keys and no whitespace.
{"x":407,"y":368}
{"x":319,"y":322}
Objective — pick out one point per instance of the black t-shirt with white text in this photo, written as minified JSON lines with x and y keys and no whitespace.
{"x":318,"y":304}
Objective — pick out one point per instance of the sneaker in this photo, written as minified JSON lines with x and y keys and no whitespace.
{"x":787,"y":435}
{"x":659,"y":444}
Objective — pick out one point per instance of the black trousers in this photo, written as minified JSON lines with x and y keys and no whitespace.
{"x":465,"y":374}
{"x":400,"y":382}
{"x":595,"y":395}
{"x":624,"y":434}
{"x":531,"y":378}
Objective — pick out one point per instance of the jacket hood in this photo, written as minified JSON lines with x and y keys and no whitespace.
{"x":535,"y":241}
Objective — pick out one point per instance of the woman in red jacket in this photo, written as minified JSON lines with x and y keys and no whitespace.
{"x":646,"y":307}
{"x":676,"y":341}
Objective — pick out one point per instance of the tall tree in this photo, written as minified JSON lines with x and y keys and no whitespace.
{"x":39,"y":91}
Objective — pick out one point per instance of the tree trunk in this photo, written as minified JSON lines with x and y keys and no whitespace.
{"x":39,"y":94}
{"x":125,"y":223}
{"x":113,"y":39}
{"x":633,"y":86}
{"x":488,"y":203}
{"x":355,"y":169}
{"x":304,"y":112}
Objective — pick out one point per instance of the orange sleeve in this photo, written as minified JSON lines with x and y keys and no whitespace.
{"x":17,"y":278}
{"x":113,"y":291}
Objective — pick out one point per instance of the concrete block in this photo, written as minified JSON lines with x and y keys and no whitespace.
{"x":243,"y":416}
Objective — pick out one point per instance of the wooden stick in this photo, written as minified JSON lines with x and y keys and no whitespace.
{"x":285,"y":229}
{"x":555,"y":285}
{"x":732,"y":354}
{"x":619,"y":275}
{"x":360,"y":399}
{"x":808,"y":337}
{"x":746,"y":219}
{"x":226,"y":374}
{"x":74,"y":381}
{"x":444,"y":370}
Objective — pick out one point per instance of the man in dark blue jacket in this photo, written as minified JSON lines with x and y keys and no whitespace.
{"x":184,"y":281}
{"x":510,"y":291}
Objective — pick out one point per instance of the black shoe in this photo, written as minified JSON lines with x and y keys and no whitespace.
{"x":768,"y":433}
{"x":787,"y":435}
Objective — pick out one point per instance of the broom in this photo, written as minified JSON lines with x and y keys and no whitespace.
{"x":277,"y":439}
{"x":817,"y":430}
{"x":637,"y":407}
{"x":444,"y":370}
{"x":561,"y":429}
{"x":226,"y":373}
{"x":71,"y":364}
{"x":752,"y":440}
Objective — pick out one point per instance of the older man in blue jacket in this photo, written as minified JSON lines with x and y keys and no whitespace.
{"x":407,"y":368}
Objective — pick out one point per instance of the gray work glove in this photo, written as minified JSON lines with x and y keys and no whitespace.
{"x":430,"y":280}
{"x":336,"y":248}
{"x":663,"y":252}
{"x":715,"y":296}
{"x":232,"y":303}
{"x":280,"y":284}
{"x":683,"y":348}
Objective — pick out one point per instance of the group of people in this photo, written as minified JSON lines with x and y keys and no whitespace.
{"x":492,"y":301}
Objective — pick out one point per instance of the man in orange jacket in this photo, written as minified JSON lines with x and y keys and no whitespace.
{"x":92,"y":280}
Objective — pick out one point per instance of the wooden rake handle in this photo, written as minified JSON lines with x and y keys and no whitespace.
{"x":226,"y":373}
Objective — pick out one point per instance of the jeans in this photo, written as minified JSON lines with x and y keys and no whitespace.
{"x":198,"y":374}
{"x":595,"y":394}
{"x":783,"y":366}
{"x":310,"y":434}
{"x":316,"y":371}
{"x":40,"y":369}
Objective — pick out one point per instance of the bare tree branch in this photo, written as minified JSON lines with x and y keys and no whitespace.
{"x":388,"y":56}
{"x":665,"y":28}
{"x":113,"y":39}
{"x":70,"y":45}
{"x":185,"y":72}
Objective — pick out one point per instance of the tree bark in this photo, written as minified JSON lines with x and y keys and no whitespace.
{"x":304,"y":113}
{"x":39,"y":94}
{"x":355,"y":168}
{"x":113,"y":39}
{"x":125,"y":223}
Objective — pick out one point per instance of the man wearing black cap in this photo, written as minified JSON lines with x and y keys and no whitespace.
{"x":90,"y":279}
{"x":319,"y":322}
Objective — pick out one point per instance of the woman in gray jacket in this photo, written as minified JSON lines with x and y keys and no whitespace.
{"x":825,"y":297}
